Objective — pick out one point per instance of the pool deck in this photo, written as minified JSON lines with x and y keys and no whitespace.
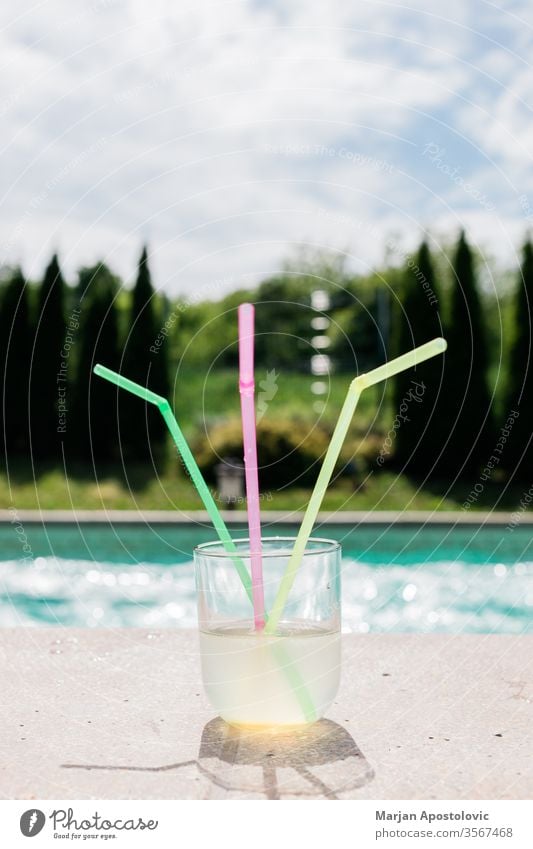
{"x":239,"y":517}
{"x":121,"y":714}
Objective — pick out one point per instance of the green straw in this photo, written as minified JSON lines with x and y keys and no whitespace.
{"x":402,"y":363}
{"x":289,"y":669}
{"x":190,"y":463}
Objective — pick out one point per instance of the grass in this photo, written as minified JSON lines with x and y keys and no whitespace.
{"x":141,"y":488}
{"x":200,"y":401}
{"x":203,"y":399}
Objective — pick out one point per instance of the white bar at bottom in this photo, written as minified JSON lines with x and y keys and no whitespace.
{"x":262,"y":825}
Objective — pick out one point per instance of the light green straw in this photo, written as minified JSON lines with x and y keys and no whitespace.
{"x":287,"y":666}
{"x":406,"y":361}
{"x":190,"y":463}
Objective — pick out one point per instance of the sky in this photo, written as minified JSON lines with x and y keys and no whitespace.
{"x":227,"y":134}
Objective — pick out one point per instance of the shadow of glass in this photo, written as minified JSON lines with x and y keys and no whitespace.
{"x":316,"y":761}
{"x":320,"y":760}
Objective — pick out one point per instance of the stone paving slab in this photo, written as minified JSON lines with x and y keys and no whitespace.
{"x":121,"y":714}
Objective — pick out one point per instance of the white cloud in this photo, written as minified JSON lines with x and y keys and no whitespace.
{"x":124,"y":121}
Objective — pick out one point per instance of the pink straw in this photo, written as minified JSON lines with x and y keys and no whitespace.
{"x":246,"y":389}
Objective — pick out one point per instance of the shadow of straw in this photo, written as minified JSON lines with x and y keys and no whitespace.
{"x":316,"y":761}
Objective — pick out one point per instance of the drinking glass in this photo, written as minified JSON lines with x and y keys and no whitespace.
{"x":287,"y":678}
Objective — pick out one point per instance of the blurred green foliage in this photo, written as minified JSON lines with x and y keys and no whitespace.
{"x":186,"y":349}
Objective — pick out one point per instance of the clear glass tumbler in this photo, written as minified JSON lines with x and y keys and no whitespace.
{"x":290,"y":677}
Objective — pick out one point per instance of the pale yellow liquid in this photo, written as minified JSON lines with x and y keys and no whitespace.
{"x":253,"y":679}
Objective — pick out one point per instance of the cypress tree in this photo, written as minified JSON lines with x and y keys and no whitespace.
{"x":464,"y":413}
{"x":517,"y":454}
{"x":141,"y":426}
{"x":94,"y":433}
{"x":15,"y":336}
{"x":160,"y":362}
{"x":46,"y":358}
{"x":416,"y":391}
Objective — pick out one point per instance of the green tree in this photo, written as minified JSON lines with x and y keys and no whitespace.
{"x":165,"y":321}
{"x":464,"y":415}
{"x":93,"y":428}
{"x":142,"y":428}
{"x":416,"y":391}
{"x":15,"y":336}
{"x":283,"y":322}
{"x":46,"y":358}
{"x":356,"y":332}
{"x":518,"y":452}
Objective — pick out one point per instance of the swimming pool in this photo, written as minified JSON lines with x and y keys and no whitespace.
{"x":427,"y":578}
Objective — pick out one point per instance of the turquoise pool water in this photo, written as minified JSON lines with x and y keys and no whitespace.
{"x":402,"y":578}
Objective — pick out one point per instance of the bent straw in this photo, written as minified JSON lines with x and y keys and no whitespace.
{"x":288,"y":668}
{"x":188,"y":459}
{"x":402,"y":363}
{"x":246,"y":390}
